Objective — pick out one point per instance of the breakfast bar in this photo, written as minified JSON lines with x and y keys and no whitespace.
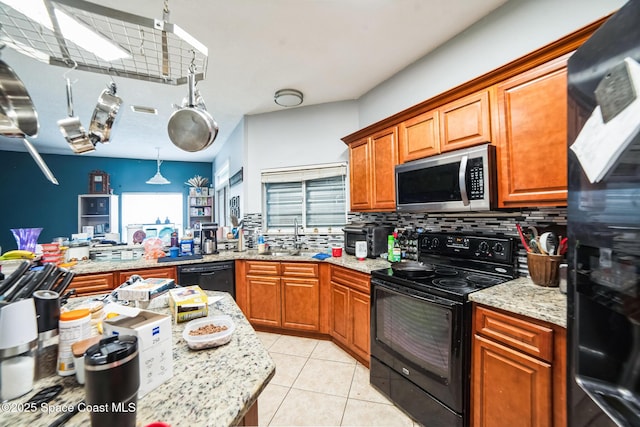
{"x":216,"y":386}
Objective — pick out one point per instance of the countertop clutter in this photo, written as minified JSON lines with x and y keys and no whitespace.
{"x":215,"y":387}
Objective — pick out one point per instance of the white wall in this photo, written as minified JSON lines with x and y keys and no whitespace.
{"x":300,"y":136}
{"x":513,"y":30}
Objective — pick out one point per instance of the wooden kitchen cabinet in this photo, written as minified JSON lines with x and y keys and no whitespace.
{"x":462,"y":123}
{"x":372,"y":163}
{"x":466,"y":122}
{"x":419,"y":137}
{"x":146,"y":273}
{"x":518,"y":371}
{"x":532,"y":137}
{"x":350,"y":311}
{"x":93,"y":284}
{"x":281,"y":294}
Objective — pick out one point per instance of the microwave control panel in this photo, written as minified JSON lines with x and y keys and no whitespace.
{"x":475,"y":183}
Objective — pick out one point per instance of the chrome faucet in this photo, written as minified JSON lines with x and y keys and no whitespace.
{"x":296,"y":244}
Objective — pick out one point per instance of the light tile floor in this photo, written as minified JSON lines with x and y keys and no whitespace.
{"x":318,"y":384}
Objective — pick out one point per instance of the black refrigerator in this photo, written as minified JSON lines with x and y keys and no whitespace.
{"x":603,"y":224}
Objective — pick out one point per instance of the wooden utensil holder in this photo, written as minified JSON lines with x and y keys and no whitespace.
{"x":544,"y":269}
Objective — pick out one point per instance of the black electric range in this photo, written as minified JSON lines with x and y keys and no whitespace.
{"x":421,"y":323}
{"x":456,"y":265}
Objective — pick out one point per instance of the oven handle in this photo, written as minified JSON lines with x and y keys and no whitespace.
{"x":412,"y":292}
{"x":462,"y":180}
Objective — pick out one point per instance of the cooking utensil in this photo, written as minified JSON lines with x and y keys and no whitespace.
{"x":192,"y":128}
{"x":16,"y":104}
{"x":72,"y":129}
{"x":104,"y":115}
{"x":549,"y":242}
{"x":522,"y":239}
{"x":412,"y":269}
{"x":39,"y":161}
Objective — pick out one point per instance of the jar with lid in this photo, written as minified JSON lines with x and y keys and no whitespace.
{"x":74,"y":325}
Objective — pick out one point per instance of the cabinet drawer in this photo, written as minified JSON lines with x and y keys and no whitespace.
{"x":299,"y":269}
{"x":528,"y":337}
{"x":263,"y":268}
{"x":93,"y":283}
{"x":157,"y":273}
{"x":350,"y":278}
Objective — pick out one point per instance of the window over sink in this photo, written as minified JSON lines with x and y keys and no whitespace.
{"x":314,"y":195}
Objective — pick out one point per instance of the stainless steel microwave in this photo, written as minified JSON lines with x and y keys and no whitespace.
{"x":458,"y":181}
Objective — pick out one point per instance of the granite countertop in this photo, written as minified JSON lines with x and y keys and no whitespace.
{"x":348,"y":261}
{"x":214,"y":387}
{"x":522,"y":296}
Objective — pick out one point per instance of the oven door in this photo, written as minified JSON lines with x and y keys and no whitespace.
{"x":421,"y":337}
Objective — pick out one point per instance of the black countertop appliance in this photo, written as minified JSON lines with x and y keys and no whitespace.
{"x":603,"y":323}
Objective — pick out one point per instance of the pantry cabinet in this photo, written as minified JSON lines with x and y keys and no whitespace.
{"x":281,"y":294}
{"x":518,"y":370}
{"x":350,"y":311}
{"x":372,"y":163}
{"x":532,"y":140}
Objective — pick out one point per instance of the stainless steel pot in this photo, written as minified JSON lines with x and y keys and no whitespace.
{"x":16,"y":105}
{"x":192,"y":128}
{"x":18,"y":116}
{"x":104,"y":115}
{"x":72,"y":129}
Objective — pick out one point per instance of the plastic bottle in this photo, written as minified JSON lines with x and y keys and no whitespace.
{"x":397,"y":252}
{"x":260,"y":242}
{"x":74,"y":325}
{"x":390,"y":242}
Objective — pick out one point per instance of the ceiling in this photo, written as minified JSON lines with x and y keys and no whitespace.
{"x":331,"y":50}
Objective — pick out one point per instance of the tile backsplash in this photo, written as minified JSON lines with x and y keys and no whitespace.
{"x":502,"y":223}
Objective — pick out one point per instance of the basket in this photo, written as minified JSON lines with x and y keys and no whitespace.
{"x":544,"y":269}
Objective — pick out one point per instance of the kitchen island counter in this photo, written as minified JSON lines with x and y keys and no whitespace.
{"x":213,"y":387}
{"x":522,"y":296}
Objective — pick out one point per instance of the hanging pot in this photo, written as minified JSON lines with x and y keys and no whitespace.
{"x":72,"y":129}
{"x":192,"y":128}
{"x":18,"y":117}
{"x":21,"y":117}
{"x":104,"y":115}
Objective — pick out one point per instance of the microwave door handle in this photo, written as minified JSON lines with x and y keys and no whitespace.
{"x":462,"y":180}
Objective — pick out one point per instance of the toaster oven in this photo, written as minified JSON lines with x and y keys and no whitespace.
{"x":375,"y":235}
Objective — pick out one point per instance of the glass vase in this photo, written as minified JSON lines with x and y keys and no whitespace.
{"x":26,"y":238}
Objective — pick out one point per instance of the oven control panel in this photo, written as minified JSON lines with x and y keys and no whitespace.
{"x":499,"y":249}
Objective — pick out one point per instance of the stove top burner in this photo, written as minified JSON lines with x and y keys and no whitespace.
{"x":451,"y":283}
{"x":446,"y":272}
{"x":483,"y":280}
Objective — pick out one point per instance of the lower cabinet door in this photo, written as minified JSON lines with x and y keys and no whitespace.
{"x":360,"y":311}
{"x":301,"y":303}
{"x":509,"y":388}
{"x":264,"y":300}
{"x":340,"y":313}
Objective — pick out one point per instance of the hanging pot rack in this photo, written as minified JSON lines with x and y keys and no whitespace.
{"x":158,"y":51}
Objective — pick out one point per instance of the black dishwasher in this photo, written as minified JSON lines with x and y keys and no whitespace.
{"x":210,"y":276}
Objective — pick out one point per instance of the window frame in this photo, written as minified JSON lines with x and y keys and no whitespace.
{"x":303,"y":175}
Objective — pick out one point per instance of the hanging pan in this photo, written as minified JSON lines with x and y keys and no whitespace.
{"x":192,"y":128}
{"x":104,"y":115}
{"x":72,"y":129}
{"x":18,"y":116}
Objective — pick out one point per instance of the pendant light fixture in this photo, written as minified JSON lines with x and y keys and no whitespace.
{"x":158,"y":178}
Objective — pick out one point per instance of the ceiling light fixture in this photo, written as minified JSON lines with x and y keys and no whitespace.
{"x":288,"y":97}
{"x":158,"y":178}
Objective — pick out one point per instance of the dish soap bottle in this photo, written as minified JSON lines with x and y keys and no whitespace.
{"x":390,"y":242}
{"x":260,"y":241}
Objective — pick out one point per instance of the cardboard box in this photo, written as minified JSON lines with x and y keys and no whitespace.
{"x":146,"y":290}
{"x":155,"y":343}
{"x":188,"y":303}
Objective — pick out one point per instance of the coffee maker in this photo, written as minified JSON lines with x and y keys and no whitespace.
{"x":208,"y":238}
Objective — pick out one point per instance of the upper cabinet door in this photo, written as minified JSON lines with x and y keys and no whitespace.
{"x":384,"y":149}
{"x":419,"y":137}
{"x":359,"y":170}
{"x":532,"y":141}
{"x":465,"y":122}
